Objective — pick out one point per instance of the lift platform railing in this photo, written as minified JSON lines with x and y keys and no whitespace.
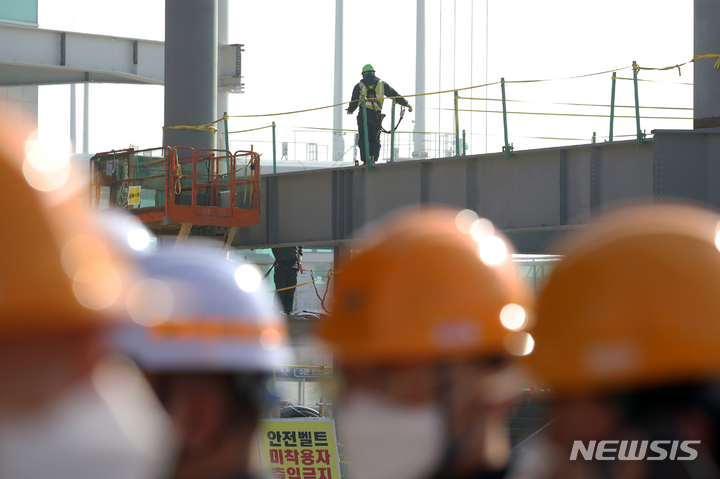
{"x":112,"y":173}
{"x":180,"y":184}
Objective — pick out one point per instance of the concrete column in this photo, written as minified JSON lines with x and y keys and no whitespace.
{"x":706,"y":94}
{"x":191,"y":33}
{"x":419,"y":101}
{"x":223,"y":96}
{"x":338,"y":143}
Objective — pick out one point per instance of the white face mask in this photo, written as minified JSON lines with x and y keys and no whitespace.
{"x":110,"y":427}
{"x":386,"y":439}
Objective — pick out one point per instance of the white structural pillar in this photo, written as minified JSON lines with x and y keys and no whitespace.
{"x":191,"y":70}
{"x":73,"y":118}
{"x":223,"y":96}
{"x":86,"y":118}
{"x":419,"y":149}
{"x":706,"y":93}
{"x":338,"y":142}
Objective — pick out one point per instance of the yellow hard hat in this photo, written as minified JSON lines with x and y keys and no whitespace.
{"x":56,"y":274}
{"x":425,"y":291}
{"x":635,"y":303}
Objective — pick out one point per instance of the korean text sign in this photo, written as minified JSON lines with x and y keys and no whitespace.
{"x":302,"y":448}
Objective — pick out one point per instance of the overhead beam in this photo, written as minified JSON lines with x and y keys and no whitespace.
{"x":34,"y":56}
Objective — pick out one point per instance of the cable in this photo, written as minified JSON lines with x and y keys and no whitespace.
{"x":472,"y":43}
{"x":327,"y":288}
{"x":487,"y":55}
{"x":578,"y":114}
{"x":577,"y":104}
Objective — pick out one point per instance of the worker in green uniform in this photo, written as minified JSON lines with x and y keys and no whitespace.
{"x":374,"y":90}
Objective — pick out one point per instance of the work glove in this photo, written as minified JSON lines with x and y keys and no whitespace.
{"x":409,"y":107}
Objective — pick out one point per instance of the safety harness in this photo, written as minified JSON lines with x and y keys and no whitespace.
{"x":369,"y":93}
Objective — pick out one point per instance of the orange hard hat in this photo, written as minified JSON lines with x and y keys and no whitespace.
{"x":634,"y":303}
{"x":422,"y":290}
{"x":56,"y":273}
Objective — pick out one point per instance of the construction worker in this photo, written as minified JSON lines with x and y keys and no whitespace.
{"x":375,"y":90}
{"x":208,"y":338}
{"x":67,"y":409}
{"x":426,"y":321}
{"x":628,"y":340}
{"x":288,"y":263}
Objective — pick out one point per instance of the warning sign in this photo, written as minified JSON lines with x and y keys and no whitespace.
{"x":134,"y":196}
{"x":298,"y":448}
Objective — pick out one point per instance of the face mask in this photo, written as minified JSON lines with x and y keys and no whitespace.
{"x":110,"y":427}
{"x":386,"y":439}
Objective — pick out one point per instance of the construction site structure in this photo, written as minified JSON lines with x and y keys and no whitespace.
{"x":173,"y":189}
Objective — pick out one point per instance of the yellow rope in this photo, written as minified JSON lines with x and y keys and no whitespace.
{"x":573,"y":104}
{"x":656,"y":81}
{"x":570,"y":114}
{"x":187,"y":127}
{"x":709,"y":55}
{"x":303,"y":284}
{"x":251,"y":129}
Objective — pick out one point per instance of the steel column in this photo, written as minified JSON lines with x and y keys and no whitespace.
{"x":706,"y":94}
{"x":191,"y":64}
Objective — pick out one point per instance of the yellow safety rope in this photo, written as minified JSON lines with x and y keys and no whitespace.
{"x":251,"y":129}
{"x":569,"y":114}
{"x":709,"y":55}
{"x":303,"y":284}
{"x":573,"y":104}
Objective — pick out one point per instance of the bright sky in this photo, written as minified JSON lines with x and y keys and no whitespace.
{"x":288,"y":65}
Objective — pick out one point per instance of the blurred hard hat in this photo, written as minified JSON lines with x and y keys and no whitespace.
{"x":368,"y":68}
{"x":433,"y":285}
{"x":199,"y":312}
{"x":634,"y":303}
{"x":127,"y":234}
{"x":56,"y":274}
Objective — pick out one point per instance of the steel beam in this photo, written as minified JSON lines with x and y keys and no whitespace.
{"x":533,"y":197}
{"x":34,"y":56}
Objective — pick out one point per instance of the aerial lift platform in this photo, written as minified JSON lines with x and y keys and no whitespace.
{"x":173,"y":189}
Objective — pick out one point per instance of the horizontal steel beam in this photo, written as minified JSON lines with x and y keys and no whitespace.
{"x":33,"y":56}
{"x":534,"y":196}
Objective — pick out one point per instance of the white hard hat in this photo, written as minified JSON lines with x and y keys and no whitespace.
{"x":199,"y":312}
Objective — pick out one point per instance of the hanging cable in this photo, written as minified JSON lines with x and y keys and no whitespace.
{"x":472,"y":42}
{"x":487,"y":49}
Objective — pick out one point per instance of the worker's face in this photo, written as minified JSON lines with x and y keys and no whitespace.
{"x":423,"y":411}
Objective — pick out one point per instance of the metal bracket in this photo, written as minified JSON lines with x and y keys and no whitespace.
{"x":62,"y":49}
